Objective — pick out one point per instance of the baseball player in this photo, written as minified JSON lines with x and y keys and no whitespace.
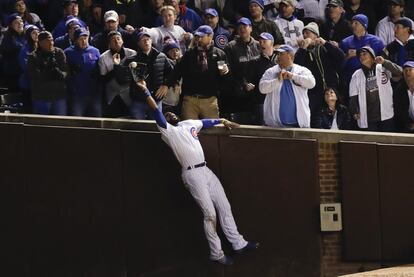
{"x":202,"y":183}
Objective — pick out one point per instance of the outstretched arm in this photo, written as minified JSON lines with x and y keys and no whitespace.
{"x":159,"y":117}
{"x":208,"y":123}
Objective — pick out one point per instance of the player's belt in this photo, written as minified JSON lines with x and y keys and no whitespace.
{"x":196,"y":166}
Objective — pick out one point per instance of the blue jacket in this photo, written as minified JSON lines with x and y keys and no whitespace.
{"x":83,"y":65}
{"x":24,"y":81}
{"x":221,"y":37}
{"x":352,"y":42}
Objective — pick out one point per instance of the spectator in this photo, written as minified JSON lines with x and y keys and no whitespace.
{"x":153,"y":67}
{"x":353,"y":43}
{"x":385,"y":27}
{"x":255,"y":70}
{"x":117,"y":99}
{"x":171,"y":101}
{"x":370,"y":91}
{"x":355,"y":7}
{"x":333,"y":115}
{"x":31,"y":33}
{"x":402,"y":48}
{"x":202,"y":68}
{"x":48,"y":72}
{"x":221,"y":36}
{"x":83,"y":85}
{"x":169,"y":31}
{"x":153,"y":13}
{"x":10,"y":47}
{"x":261,"y":24}
{"x":28,"y":17}
{"x":233,"y":10}
{"x":324,"y":60}
{"x":239,"y":52}
{"x":187,"y":18}
{"x":313,"y":10}
{"x":201,"y":5}
{"x":111,"y":21}
{"x":70,"y":8}
{"x":87,"y":11}
{"x":286,"y":87}
{"x":336,"y":27}
{"x":290,"y":27}
{"x":404,"y":100}
{"x":124,"y":8}
{"x":68,"y":40}
{"x":270,"y":9}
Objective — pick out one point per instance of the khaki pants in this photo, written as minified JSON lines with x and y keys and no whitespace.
{"x":199,"y":108}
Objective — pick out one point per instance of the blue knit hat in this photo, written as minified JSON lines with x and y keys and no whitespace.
{"x":12,"y":18}
{"x":260,"y":3}
{"x":170,"y":45}
{"x":361,"y":18}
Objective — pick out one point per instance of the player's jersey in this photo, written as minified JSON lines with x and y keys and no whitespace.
{"x":183,"y":140}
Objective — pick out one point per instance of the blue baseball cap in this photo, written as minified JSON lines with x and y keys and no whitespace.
{"x":285,"y":48}
{"x":405,"y":22}
{"x":409,"y":64}
{"x":361,"y":18}
{"x":266,"y":36}
{"x":211,"y":12}
{"x":80,"y":32}
{"x":244,"y":21}
{"x":203,"y":30}
{"x":143,"y":33}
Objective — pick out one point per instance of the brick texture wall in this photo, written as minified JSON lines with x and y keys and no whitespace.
{"x":332,"y":263}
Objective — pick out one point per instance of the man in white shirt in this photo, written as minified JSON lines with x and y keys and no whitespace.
{"x":286,"y":87}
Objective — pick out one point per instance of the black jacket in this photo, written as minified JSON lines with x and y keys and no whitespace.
{"x":336,"y":32}
{"x":325,"y":118}
{"x":195,"y":81}
{"x":255,"y":71}
{"x":157,"y":69}
{"x":401,"y":104}
{"x":100,"y":40}
{"x":267,"y":26}
{"x":48,"y":72}
{"x":392,"y":52}
{"x":325,"y":64}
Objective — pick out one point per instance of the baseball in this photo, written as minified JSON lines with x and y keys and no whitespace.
{"x":133,"y":65}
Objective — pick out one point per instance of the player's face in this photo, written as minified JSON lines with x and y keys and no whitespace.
{"x":172,"y":118}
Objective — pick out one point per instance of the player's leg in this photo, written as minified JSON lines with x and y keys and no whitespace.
{"x":227,"y":222}
{"x":197,"y":186}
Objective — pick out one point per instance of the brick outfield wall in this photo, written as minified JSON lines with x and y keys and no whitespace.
{"x":332,"y":263}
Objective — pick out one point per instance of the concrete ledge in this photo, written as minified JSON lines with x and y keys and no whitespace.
{"x":323,"y":136}
{"x":398,"y":271}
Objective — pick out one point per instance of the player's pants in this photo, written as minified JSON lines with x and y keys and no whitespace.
{"x":209,"y":194}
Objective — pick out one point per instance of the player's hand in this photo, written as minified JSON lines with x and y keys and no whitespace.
{"x":142,"y":85}
{"x":116,"y":58}
{"x":161,"y":91}
{"x":230,"y":125}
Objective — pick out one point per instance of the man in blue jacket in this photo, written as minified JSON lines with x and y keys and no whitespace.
{"x":83,"y":59}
